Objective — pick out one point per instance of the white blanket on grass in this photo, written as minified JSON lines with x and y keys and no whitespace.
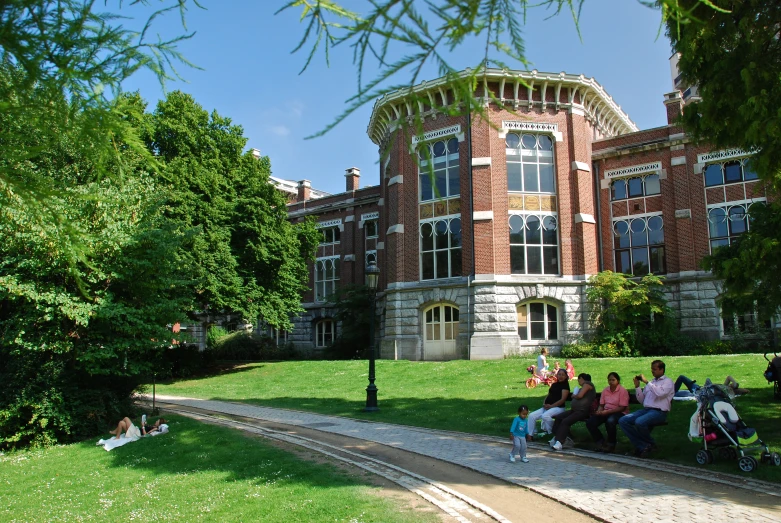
{"x":129,"y":437}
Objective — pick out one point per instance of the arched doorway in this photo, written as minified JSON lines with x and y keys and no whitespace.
{"x":440,"y":332}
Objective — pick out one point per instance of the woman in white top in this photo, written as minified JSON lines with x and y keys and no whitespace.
{"x":542,"y":363}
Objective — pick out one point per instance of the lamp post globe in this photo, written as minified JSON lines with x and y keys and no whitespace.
{"x":372,"y":279}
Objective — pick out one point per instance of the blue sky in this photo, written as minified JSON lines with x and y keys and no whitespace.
{"x":249,"y":74}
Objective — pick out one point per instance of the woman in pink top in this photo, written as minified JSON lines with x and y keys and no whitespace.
{"x":613,"y":404}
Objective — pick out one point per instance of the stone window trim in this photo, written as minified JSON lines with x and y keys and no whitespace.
{"x":525,"y":245}
{"x":538,"y":322}
{"x":325,"y":332}
{"x":550,"y":129}
{"x":440,"y":247}
{"x":371,"y":228}
{"x":639,"y":239}
{"x":327,"y":275}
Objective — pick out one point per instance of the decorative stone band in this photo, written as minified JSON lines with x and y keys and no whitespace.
{"x":393,"y":229}
{"x":370,"y":216}
{"x":350,"y":218}
{"x":439,"y":133}
{"x":723,"y":155}
{"x":683,"y":213}
{"x":482,"y":161}
{"x":704,"y":159}
{"x":584,"y":218}
{"x":482,"y":215}
{"x":329,"y":223}
{"x":678,"y":160}
{"x":580,"y":166}
{"x":634,"y":170}
{"x":396,"y":179}
{"x":349,"y":257}
{"x":534,"y":127}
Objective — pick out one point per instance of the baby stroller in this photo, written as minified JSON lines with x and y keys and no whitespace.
{"x":716,"y":423}
{"x":773,"y":374}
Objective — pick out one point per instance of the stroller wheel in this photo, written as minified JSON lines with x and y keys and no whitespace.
{"x":775,"y":459}
{"x":704,"y":457}
{"x":747,"y":464}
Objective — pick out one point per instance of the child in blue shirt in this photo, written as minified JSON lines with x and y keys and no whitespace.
{"x":518,"y":432}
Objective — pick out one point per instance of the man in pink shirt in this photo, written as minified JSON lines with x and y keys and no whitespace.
{"x":656,"y":398}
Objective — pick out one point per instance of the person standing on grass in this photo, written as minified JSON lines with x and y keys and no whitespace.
{"x":613,"y":405}
{"x":656,"y":398}
{"x":542,"y":363}
{"x":553,"y":404}
{"x":518,"y":432}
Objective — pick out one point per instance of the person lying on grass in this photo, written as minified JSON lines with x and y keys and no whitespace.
{"x":125,"y":428}
{"x":158,"y":426}
{"x":690,"y":384}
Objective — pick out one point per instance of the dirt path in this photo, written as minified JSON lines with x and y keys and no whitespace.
{"x":511,"y":501}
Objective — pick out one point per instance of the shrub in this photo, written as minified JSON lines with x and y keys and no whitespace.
{"x":214,"y":333}
{"x":245,"y":346}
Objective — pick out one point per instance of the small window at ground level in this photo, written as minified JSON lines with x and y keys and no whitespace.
{"x":538,"y":321}
{"x":325,"y":332}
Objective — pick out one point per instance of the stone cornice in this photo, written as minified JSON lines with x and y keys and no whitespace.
{"x":330,"y":207}
{"x":597,"y":105}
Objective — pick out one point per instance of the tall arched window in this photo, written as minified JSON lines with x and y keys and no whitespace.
{"x":538,"y":321}
{"x":446,"y":172}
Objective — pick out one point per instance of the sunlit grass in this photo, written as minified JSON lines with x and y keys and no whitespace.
{"x":197,"y":472}
{"x":482,"y":396}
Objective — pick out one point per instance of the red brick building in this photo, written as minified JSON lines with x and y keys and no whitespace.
{"x":486,"y":231}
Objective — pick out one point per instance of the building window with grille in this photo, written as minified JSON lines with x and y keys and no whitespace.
{"x":638,"y":245}
{"x":325,"y":333}
{"x":733,"y":171}
{"x":538,"y":321}
{"x":530,"y":163}
{"x":326,"y":277}
{"x":440,"y":248}
{"x":439,"y":170}
{"x":727,"y":222}
{"x":634,"y":187}
{"x":534,"y":244}
{"x":747,"y":323}
{"x":330,"y":235}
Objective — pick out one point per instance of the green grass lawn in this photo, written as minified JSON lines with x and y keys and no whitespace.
{"x":197,"y":472}
{"x":482,"y":396}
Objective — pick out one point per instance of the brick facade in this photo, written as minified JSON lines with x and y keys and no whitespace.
{"x":592,"y":141}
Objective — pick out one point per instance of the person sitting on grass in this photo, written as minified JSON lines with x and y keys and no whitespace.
{"x":126,"y":429}
{"x":542,"y":363}
{"x":579,"y":411}
{"x":690,"y":384}
{"x":613,"y":405}
{"x":518,"y":432}
{"x":570,"y":369}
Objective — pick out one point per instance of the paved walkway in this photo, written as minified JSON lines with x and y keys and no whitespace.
{"x":598,"y":491}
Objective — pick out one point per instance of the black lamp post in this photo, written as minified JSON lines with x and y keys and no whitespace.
{"x":372,"y":278}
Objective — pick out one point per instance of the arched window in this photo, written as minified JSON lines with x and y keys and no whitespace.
{"x":638,"y":245}
{"x":633,"y":187}
{"x":733,"y":171}
{"x":325,"y":332}
{"x":726,"y":223}
{"x":441,"y":323}
{"x":534,"y":244}
{"x":538,"y":321}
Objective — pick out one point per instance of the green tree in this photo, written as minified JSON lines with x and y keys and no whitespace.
{"x":248,"y":258}
{"x":77,"y":337}
{"x":67,"y":50}
{"x":733,"y":55}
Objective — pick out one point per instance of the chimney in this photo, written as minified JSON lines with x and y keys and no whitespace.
{"x":353,"y":175}
{"x":304,"y":186}
{"x":674,"y":103}
{"x":255,"y":153}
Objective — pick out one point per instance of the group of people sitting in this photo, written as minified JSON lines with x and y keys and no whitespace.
{"x":612,"y":409}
